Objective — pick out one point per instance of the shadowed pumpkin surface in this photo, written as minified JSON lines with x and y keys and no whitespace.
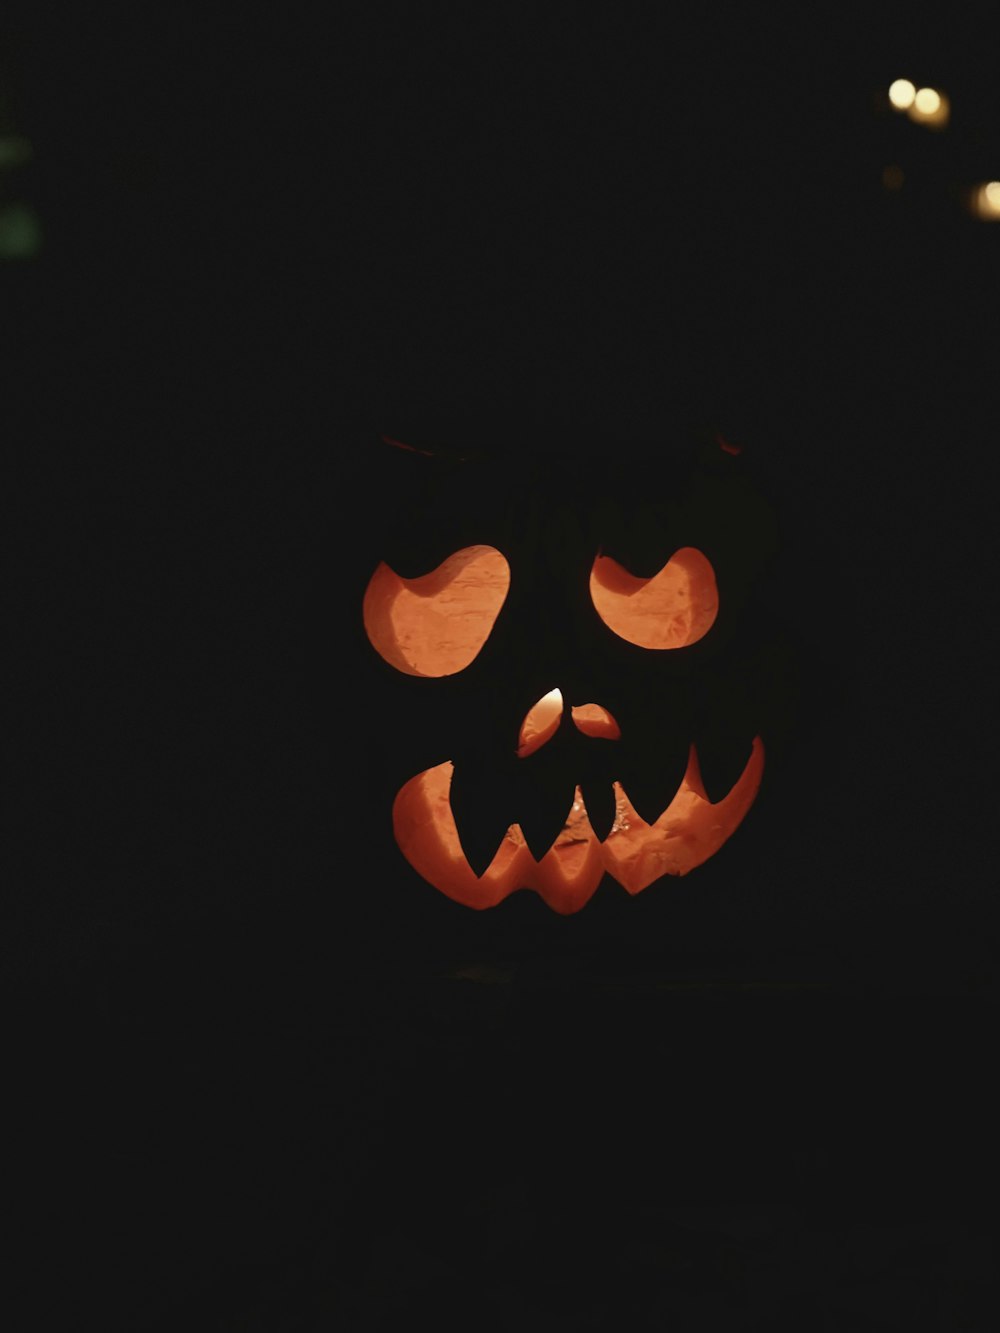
{"x":602,"y":596}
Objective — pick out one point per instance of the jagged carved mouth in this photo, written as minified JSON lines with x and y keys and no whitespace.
{"x":689,"y":831}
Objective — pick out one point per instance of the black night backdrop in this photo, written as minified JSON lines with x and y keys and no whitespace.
{"x":262,"y":1075}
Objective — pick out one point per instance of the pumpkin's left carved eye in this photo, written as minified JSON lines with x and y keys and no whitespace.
{"x":437,"y":624}
{"x":672,"y":609}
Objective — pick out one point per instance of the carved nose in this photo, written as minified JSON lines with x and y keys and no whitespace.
{"x":542,"y":721}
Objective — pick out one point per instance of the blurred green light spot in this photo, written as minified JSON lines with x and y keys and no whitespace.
{"x":14,"y":149}
{"x":20,"y":234}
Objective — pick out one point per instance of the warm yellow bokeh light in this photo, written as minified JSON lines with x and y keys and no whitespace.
{"x":901,"y":94}
{"x":986,"y":201}
{"x":930,"y":107}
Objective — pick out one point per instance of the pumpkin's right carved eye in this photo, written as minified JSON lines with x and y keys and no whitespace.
{"x":674,"y":608}
{"x":437,"y":624}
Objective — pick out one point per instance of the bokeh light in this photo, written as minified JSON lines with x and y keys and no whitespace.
{"x":930,"y":107}
{"x":985,"y":201}
{"x":901,"y":94}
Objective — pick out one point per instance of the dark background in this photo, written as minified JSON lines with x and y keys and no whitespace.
{"x":264,"y":1077}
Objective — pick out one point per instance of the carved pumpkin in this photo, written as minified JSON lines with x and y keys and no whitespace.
{"x":577,"y":661}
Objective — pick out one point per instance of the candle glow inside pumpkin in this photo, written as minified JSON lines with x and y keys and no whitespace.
{"x":436,"y":624}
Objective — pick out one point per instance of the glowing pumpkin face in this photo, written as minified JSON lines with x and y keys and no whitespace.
{"x":573,"y":679}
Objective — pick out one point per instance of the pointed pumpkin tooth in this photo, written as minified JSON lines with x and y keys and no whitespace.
{"x":544,"y":815}
{"x":478,"y":808}
{"x":721,"y":760}
{"x":653,"y":783}
{"x":599,"y":798}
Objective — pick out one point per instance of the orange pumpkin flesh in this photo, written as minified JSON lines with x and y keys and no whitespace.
{"x":435,"y":625}
{"x":540,"y":724}
{"x":635,"y":853}
{"x":675,"y":607}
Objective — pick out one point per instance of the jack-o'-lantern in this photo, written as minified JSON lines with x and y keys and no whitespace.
{"x":575,"y":665}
